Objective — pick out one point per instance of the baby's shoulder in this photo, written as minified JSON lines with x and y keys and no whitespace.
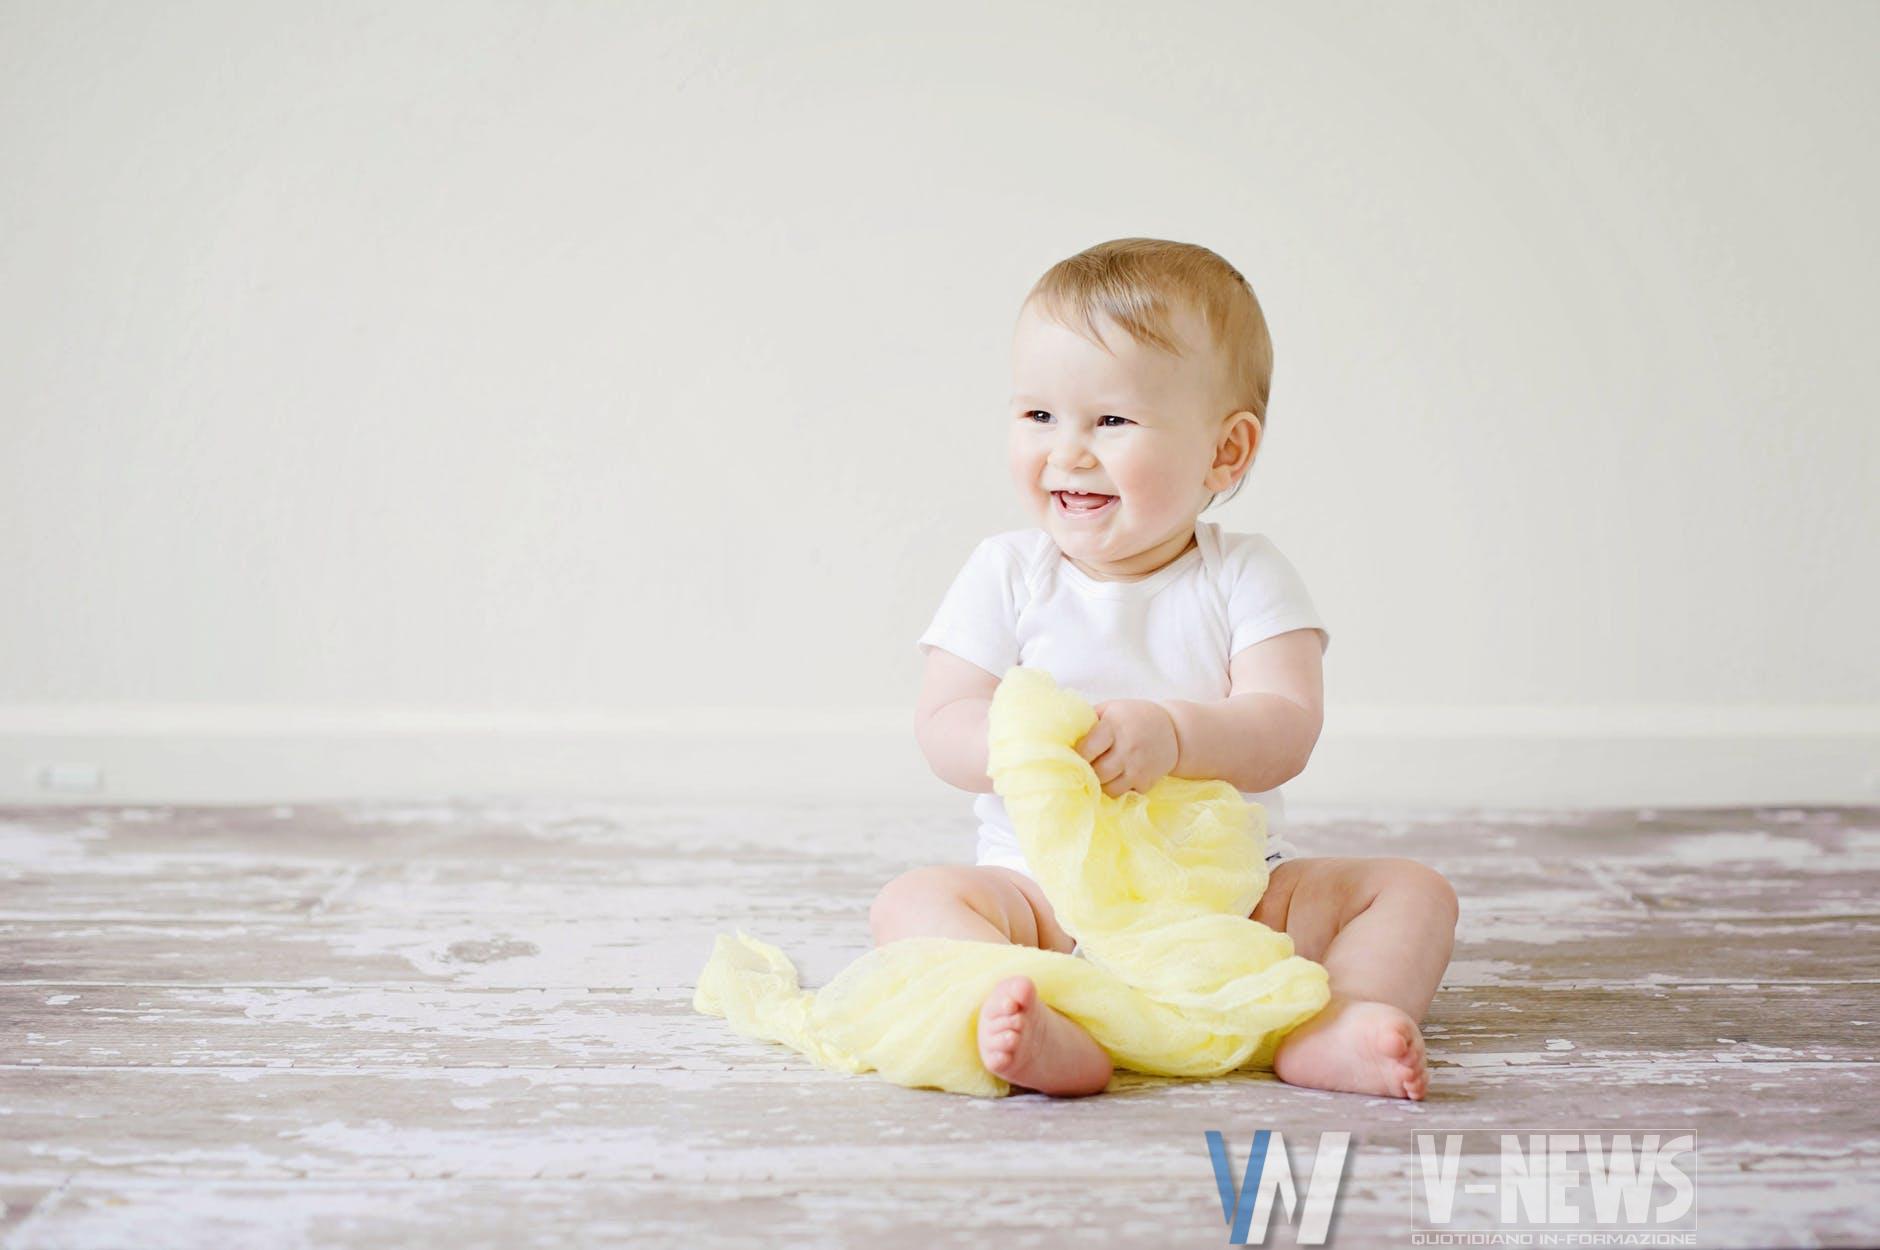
{"x":1019,"y":557}
{"x":1244,"y":546}
{"x":1019,"y":549}
{"x":1237,"y":552}
{"x":1019,"y":540}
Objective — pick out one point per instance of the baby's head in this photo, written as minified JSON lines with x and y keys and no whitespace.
{"x":1140,"y":370}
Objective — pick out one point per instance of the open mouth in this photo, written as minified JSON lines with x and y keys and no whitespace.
{"x":1077,"y":504}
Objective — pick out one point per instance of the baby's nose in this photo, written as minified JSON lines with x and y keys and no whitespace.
{"x":1070,"y":450}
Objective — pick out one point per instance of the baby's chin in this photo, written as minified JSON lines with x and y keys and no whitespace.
{"x":1116,"y":540}
{"x":1111,"y":544}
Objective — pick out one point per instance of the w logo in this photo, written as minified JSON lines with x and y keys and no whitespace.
{"x":1269,"y":1173}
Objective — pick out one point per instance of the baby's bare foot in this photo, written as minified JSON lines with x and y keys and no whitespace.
{"x":1358,"y":1047}
{"x":1031,"y":1045}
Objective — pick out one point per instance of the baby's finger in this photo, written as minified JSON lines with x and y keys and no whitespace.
{"x":1095,"y":743}
{"x":1120,"y":784}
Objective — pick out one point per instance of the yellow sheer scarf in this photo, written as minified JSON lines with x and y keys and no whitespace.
{"x":1171,"y":976}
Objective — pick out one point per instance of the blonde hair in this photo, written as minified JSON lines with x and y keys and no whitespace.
{"x":1138,"y":282}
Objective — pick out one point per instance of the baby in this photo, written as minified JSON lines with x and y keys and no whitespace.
{"x":1141,"y":370}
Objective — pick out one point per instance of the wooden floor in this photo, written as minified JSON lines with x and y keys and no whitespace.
{"x":471,"y":1025}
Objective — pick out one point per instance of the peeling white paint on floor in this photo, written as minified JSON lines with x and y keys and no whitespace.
{"x":446,"y":1023}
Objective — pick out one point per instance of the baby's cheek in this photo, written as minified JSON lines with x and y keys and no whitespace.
{"x":1150,"y":499}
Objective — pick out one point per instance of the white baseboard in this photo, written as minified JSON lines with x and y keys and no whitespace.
{"x":1439,"y":757}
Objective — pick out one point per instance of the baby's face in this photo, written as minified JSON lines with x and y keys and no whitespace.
{"x":1140,"y":425}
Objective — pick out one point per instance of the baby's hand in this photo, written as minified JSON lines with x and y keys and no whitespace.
{"x":1132,"y":746}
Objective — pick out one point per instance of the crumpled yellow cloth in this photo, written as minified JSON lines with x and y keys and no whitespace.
{"x":1171,"y":977}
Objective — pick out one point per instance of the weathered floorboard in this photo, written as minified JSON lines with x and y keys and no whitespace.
{"x":461,"y":1024}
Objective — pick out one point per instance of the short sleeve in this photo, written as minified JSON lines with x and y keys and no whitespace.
{"x":1266,"y":596}
{"x":978,"y":618}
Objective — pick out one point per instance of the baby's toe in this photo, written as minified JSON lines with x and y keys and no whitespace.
{"x":1001,"y":1001}
{"x":1019,"y":991}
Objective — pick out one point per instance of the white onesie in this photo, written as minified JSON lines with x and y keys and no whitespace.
{"x":1170,"y":635}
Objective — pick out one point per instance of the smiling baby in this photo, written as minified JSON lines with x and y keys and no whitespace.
{"x":1141,"y":370}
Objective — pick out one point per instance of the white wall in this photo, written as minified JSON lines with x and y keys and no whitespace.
{"x":441,"y":397}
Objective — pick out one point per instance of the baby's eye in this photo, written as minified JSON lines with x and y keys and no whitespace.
{"x":1039,"y":412}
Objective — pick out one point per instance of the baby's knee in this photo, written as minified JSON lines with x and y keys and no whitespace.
{"x":907,"y":897}
{"x":1430,"y":887}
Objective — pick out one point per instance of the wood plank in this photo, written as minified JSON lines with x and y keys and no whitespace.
{"x":743,"y":1125}
{"x":907,"y":831}
{"x":148,"y":887}
{"x":400,"y":1026}
{"x":532,"y":951}
{"x":289,"y":1018}
{"x":223,"y":865}
{"x":23,"y":1195}
{"x":1806,"y":1203}
{"x":733,"y":1139}
{"x":1669,"y":950}
{"x":1566,"y":834}
{"x":1840,"y":885}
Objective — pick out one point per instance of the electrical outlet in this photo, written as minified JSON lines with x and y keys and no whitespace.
{"x":72,"y":778}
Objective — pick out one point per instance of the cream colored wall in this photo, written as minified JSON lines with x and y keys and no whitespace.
{"x":379,"y":380}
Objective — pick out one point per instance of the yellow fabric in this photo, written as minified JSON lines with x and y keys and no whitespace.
{"x":1171,"y":977}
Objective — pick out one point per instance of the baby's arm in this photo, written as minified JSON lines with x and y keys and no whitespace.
{"x":950,"y":720}
{"x":1261,"y":735}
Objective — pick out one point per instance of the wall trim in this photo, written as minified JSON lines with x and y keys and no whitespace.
{"x":1447,"y":757}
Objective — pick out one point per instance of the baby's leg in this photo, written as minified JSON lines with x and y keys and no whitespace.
{"x":981,"y":904}
{"x":1021,"y":1039}
{"x":1384,"y":928}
